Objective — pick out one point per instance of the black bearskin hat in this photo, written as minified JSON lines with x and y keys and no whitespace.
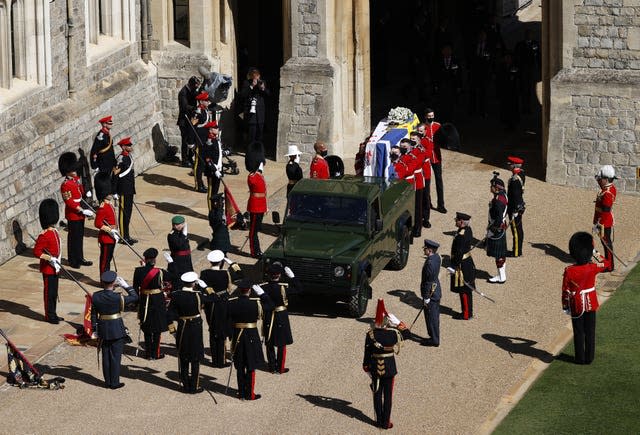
{"x":447,"y":137}
{"x":48,"y":213}
{"x":581,"y":247}
{"x":336,"y":166}
{"x":102,"y":183}
{"x":254,"y":156}
{"x":68,"y":162}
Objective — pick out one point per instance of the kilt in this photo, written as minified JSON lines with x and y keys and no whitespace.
{"x":497,"y":245}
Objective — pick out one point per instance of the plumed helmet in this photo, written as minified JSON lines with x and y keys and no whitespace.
{"x":606,"y":171}
{"x":68,"y":162}
{"x":48,"y":212}
{"x":102,"y":183}
{"x":581,"y":247}
{"x":381,"y":314}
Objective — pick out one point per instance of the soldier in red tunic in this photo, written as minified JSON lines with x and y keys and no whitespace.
{"x":319,"y":166}
{"x":603,"y":217}
{"x":257,"y":207}
{"x":431,"y":128}
{"x":427,"y":147}
{"x":48,"y":250}
{"x":72,"y":193}
{"x":579,"y":297}
{"x":105,"y":221}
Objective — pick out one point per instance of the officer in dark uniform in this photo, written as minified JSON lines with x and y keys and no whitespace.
{"x":515,"y":208}
{"x":496,"y":229}
{"x":277,"y":330}
{"x":212,"y":156}
{"x":220,"y":280}
{"x":463,"y":269}
{"x":179,"y":247}
{"x":106,"y":321}
{"x":244,"y":312}
{"x":293,"y":169}
{"x":102,"y":155}
{"x":217,"y":221}
{"x":148,"y":280}
{"x":187,"y":105}
{"x":125,"y":188}
{"x":202,"y":117}
{"x":382,"y":342}
{"x":431,"y":292}
{"x":185,"y":308}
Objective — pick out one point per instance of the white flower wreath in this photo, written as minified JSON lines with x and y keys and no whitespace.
{"x":400,"y":115}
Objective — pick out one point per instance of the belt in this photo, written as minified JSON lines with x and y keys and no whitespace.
{"x":467,"y":255}
{"x":183,"y":252}
{"x":410,"y":177}
{"x":185,"y":318}
{"x":280,"y":308}
{"x":151,"y":292}
{"x":603,"y":209}
{"x":245,"y":325}
{"x":109,"y":316}
{"x":382,"y":355}
{"x":258,"y":194}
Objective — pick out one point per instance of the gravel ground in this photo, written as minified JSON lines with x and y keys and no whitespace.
{"x":451,"y":389}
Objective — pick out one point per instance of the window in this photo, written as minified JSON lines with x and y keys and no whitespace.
{"x":181,"y":22}
{"x":108,"y":24}
{"x":25,"y":48}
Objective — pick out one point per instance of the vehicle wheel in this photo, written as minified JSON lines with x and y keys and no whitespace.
{"x":358,"y":302}
{"x":399,"y":261}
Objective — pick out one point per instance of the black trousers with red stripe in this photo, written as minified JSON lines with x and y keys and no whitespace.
{"x":246,"y":382}
{"x":276,"y":357}
{"x":50,"y":296}
{"x":254,"y":227}
{"x":417,"y":223}
{"x":106,"y":255}
{"x":152,"y":344}
{"x":584,"y":337}
{"x":426,"y":201}
{"x":607,"y":239}
{"x":382,"y":401}
{"x":125,"y":208}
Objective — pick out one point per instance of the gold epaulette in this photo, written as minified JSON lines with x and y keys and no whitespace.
{"x":233,"y":298}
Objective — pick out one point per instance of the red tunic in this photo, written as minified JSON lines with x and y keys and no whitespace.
{"x":429,"y":133}
{"x":319,"y":168}
{"x":428,"y":152}
{"x":105,"y":215}
{"x":401,"y":169}
{"x":257,"y":193}
{"x":410,"y":162}
{"x":604,"y":205}
{"x":72,"y":192}
{"x":417,"y":170}
{"x":578,"y":287}
{"x":48,"y":240}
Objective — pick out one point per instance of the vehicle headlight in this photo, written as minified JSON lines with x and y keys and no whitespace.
{"x":338,"y":272}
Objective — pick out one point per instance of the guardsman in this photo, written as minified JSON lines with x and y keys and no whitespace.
{"x":257,"y":207}
{"x":412,"y":165}
{"x":418,"y":152}
{"x":202,"y":117}
{"x":319,"y":167}
{"x":431,"y":128}
{"x":102,"y":155}
{"x":579,"y":297}
{"x":603,"y":217}
{"x":277,"y":330}
{"x":463,"y":272}
{"x":220,"y":280}
{"x":218,"y":223}
{"x":179,"y":247}
{"x":125,"y":188}
{"x":72,"y":192}
{"x":244,"y":312}
{"x":431,"y":292}
{"x":106,"y":321}
{"x":105,"y":221}
{"x":212,"y":156}
{"x":516,"y":206}
{"x":293,"y":169}
{"x":381,"y":344}
{"x":496,"y":229}
{"x":149,"y":282}
{"x":49,"y":250}
{"x":185,"y":307}
{"x":427,"y":147}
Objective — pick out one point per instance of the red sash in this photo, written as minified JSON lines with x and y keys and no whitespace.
{"x":147,"y":279}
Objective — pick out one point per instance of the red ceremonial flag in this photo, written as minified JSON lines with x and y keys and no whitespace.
{"x":231,"y":208}
{"x":85,"y":336}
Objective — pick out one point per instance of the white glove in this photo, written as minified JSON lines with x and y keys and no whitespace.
{"x":55,"y":263}
{"x":393,"y":320}
{"x":426,"y":301}
{"x":185,"y":231}
{"x":288,"y":272}
{"x":115,"y":196}
{"x":451,"y":270}
{"x":218,"y":174}
{"x":191,"y":146}
{"x":515,"y":215}
{"x":121,"y":282}
{"x":201,"y":283}
{"x":115,"y":236}
{"x":94,"y":335}
{"x":89,"y":194}
{"x":88,"y":213}
{"x":167,"y":256}
{"x":256,"y":288}
{"x":566,"y":311}
{"x":226,"y":260}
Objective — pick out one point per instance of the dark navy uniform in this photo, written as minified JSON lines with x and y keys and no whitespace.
{"x":294,"y":174}
{"x":180,"y":252}
{"x":219,"y":231}
{"x":276,"y":326}
{"x":203,"y":116}
{"x":148,"y":280}
{"x":125,"y":188}
{"x":102,"y":155}
{"x":212,"y":156}
{"x":379,"y":361}
{"x":465,"y":270}
{"x":185,"y":308}
{"x":216,"y":313}
{"x":106,"y":320}
{"x":243,"y":315}
{"x":430,"y":290}
{"x":515,"y":209}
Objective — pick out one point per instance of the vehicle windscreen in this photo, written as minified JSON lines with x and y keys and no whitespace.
{"x":327,"y":209}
